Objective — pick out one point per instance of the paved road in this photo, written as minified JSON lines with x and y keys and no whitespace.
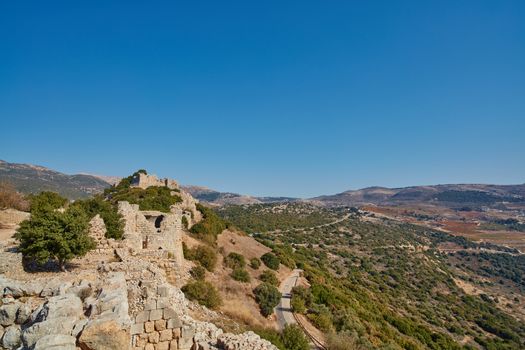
{"x":283,"y":311}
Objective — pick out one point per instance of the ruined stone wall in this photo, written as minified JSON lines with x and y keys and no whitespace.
{"x":141,"y":232}
{"x":144,"y":181}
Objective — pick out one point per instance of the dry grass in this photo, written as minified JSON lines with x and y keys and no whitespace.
{"x":11,"y":199}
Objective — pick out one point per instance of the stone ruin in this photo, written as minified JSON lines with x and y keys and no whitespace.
{"x":153,"y":232}
{"x":125,"y":300}
{"x":144,"y":181}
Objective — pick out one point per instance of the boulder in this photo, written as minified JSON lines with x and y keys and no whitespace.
{"x":23,"y":314}
{"x":54,"y":326}
{"x":56,"y":342}
{"x":104,"y":335}
{"x":8,"y":313}
{"x":11,"y":338}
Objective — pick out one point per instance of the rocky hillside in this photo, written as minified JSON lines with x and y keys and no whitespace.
{"x":440,"y":195}
{"x":28,"y":178}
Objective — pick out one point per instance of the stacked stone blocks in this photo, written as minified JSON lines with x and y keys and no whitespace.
{"x":158,"y":326}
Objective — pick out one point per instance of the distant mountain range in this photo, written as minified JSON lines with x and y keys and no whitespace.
{"x":457,"y":195}
{"x":29,"y":178}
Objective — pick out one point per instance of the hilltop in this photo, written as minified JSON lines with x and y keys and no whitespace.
{"x":28,"y":178}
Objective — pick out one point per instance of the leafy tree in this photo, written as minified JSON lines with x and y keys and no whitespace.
{"x":240,"y":274}
{"x":204,"y":293}
{"x":271,"y":261}
{"x":267,"y":296}
{"x":234,"y":261}
{"x":269,"y":277}
{"x":109,"y":213}
{"x":294,"y":338}
{"x":298,"y":304}
{"x":255,"y":263}
{"x":53,"y":235}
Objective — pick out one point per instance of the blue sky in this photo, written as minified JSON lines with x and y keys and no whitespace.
{"x":295,"y":98}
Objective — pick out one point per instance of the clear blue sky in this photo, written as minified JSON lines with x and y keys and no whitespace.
{"x":295,"y":98}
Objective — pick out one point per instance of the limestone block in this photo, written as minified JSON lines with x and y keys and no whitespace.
{"x":154,"y":337}
{"x":104,"y":335}
{"x":160,"y":325}
{"x":56,"y":342}
{"x":174,"y":323}
{"x":162,"y":291}
{"x":165,"y":345}
{"x":187,"y":332}
{"x":11,"y":338}
{"x":149,"y":326}
{"x":166,"y":335}
{"x":185,"y":343}
{"x":149,"y":347}
{"x":163,"y":302}
{"x":174,"y":344}
{"x":142,"y":316}
{"x":137,"y":328}
{"x":169,"y":313}
{"x":52,"y":325}
{"x":155,"y":315}
{"x":176,"y":333}
{"x":23,"y":314}
{"x":151,"y":304}
{"x":8,"y":313}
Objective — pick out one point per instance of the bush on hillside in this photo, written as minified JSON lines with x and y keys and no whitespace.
{"x":204,"y":255}
{"x":269,"y":277}
{"x":234,"y":261}
{"x":11,"y":199}
{"x":152,"y":198}
{"x":109,"y":213}
{"x":255,"y":263}
{"x":209,"y":227}
{"x":272,"y":335}
{"x":53,"y":235}
{"x":198,"y":272}
{"x":184,"y":222}
{"x":241,"y":275}
{"x":46,"y":201}
{"x":271,"y":261}
{"x":204,"y":293}
{"x":294,"y":338}
{"x":267,"y":296}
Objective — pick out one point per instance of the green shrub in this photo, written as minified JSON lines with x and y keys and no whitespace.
{"x":204,"y":293}
{"x":271,"y":261}
{"x":204,"y":255}
{"x":152,"y":198}
{"x":255,"y":263}
{"x":267,"y":296}
{"x":298,"y":305}
{"x":294,"y":338}
{"x":234,"y":261}
{"x":113,"y":220}
{"x":46,"y":201}
{"x":53,"y":235}
{"x":241,"y":275}
{"x":269,"y":277}
{"x":209,"y":227}
{"x":198,"y":272}
{"x":184,"y":222}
